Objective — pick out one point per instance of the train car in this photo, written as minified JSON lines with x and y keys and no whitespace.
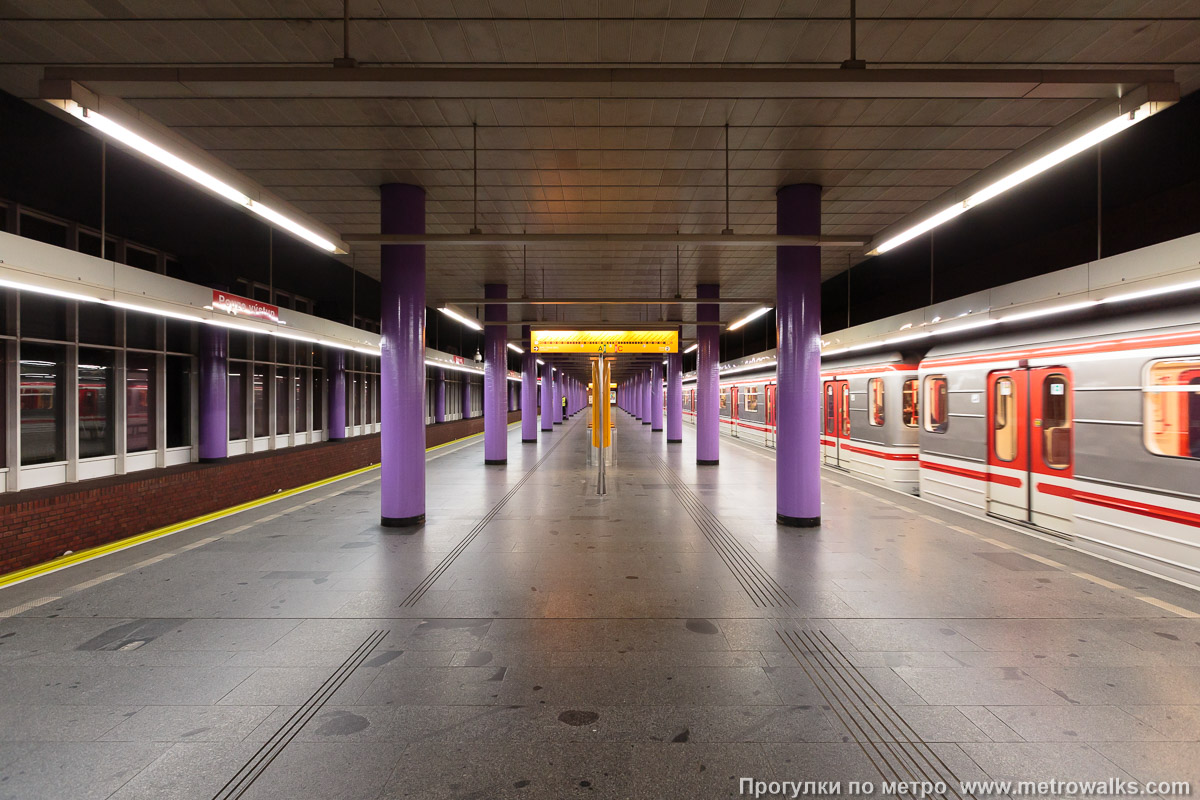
{"x":869,"y":419}
{"x":1089,"y":432}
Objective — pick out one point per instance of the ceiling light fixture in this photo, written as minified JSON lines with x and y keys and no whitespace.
{"x":470,"y":323}
{"x":693,"y":347}
{"x":195,"y":174}
{"x":1019,"y":176}
{"x":514,"y":348}
{"x":733,"y":326}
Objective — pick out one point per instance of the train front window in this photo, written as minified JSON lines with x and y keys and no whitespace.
{"x":1171,"y":408}
{"x":875,"y":394}
{"x":1056,"y":422}
{"x":1004,"y":419}
{"x":937,"y":404}
{"x":909,"y":396}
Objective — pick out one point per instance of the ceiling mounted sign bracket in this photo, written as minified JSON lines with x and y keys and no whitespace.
{"x":475,"y":231}
{"x":728,"y":230}
{"x":345,"y":62}
{"x":854,"y":62}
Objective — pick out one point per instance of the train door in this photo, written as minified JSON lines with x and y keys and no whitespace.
{"x":770,"y":434}
{"x":1031,"y":447}
{"x":837,"y":421}
{"x":733,"y":410}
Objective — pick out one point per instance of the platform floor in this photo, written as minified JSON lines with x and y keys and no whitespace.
{"x":534,"y":640}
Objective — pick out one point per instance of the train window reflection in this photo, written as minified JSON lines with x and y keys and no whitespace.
{"x":1056,"y":422}
{"x":752,"y":399}
{"x":875,"y":395}
{"x":97,"y":380}
{"x":724,"y":399}
{"x":909,"y":397}
{"x":141,"y":372}
{"x":237,"y":399}
{"x":1004,"y":419}
{"x":261,"y":410}
{"x":43,"y":385}
{"x":1171,"y":413}
{"x":845,"y":409}
{"x":937,"y":404}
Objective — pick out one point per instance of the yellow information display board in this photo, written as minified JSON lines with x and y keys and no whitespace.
{"x":610,"y":342}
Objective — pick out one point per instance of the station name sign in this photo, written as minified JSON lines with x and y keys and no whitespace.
{"x":244,"y":307}
{"x":613,"y":342}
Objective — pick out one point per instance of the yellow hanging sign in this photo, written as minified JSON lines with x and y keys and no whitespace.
{"x":611,"y":342}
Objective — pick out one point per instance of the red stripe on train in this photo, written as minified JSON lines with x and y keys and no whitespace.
{"x":963,"y":472}
{"x":1119,"y":504}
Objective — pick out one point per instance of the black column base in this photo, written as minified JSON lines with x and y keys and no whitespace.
{"x":645,"y":422}
{"x":495,"y":462}
{"x":674,"y":441}
{"x":529,"y":441}
{"x":402,"y":522}
{"x":558,"y":423}
{"x":216,"y":460}
{"x":797,"y":522}
{"x":705,"y":462}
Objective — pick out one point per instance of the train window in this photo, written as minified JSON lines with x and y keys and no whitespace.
{"x":1004,"y":419}
{"x":830,"y":410}
{"x":1056,"y":422}
{"x":97,"y":382}
{"x":937,"y":404}
{"x":875,"y":395}
{"x":752,"y":399}
{"x":724,"y":399}
{"x":141,"y":373}
{"x":845,"y":409}
{"x":909,"y":398}
{"x":43,"y":386}
{"x":1171,"y":412}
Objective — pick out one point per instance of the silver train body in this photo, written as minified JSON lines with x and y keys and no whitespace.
{"x":1088,"y":432}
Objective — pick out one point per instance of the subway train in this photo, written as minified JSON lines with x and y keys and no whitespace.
{"x":1087,"y":431}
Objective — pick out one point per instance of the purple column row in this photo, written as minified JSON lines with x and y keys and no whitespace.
{"x":708,"y":430}
{"x":495,"y":377}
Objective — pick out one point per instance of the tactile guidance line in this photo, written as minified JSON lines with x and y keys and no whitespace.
{"x":262,"y":759}
{"x":897,"y":752}
{"x":764,"y":590}
{"x":427,"y":582}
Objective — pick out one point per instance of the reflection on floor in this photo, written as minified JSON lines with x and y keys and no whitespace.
{"x":535,"y":640}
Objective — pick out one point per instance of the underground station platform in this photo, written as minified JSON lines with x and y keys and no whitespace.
{"x":618,"y":399}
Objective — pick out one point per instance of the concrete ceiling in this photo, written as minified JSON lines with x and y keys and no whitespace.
{"x":563,"y":157}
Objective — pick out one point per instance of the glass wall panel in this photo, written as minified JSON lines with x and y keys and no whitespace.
{"x":318,"y":399}
{"x":180,"y":376}
{"x":97,"y":324}
{"x":141,"y":331}
{"x":141,"y":378}
{"x":261,"y":415}
{"x":283,"y":400}
{"x":97,"y":393}
{"x":43,"y":410}
{"x":238,"y":378}
{"x":301,"y":382}
{"x":43,"y":317}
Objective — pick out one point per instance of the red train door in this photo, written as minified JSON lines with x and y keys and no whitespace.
{"x":1031,"y":447}
{"x":733,"y":410}
{"x":836,"y":431}
{"x":770,"y":415}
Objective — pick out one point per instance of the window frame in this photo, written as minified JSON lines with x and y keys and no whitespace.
{"x":1148,"y":393}
{"x":927,"y":406}
{"x":876,"y":406}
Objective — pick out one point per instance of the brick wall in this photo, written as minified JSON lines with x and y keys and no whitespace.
{"x":41,"y":524}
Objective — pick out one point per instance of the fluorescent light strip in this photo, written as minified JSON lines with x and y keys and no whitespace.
{"x":195,"y":174}
{"x":753,"y":315}
{"x":514,"y":348}
{"x":693,"y":347}
{"x":454,"y":367}
{"x":540,"y":362}
{"x":454,"y":315}
{"x":1016,"y":178}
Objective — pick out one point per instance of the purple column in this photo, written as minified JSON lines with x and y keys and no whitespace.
{"x":647,"y":397}
{"x":495,"y":377}
{"x":636,"y":397}
{"x":798,"y":325}
{"x":656,"y":396}
{"x":675,"y":397}
{"x":335,"y":383}
{"x":529,"y":391}
{"x":556,"y":396}
{"x":402,"y":360}
{"x":547,"y":398}
{"x":214,"y":376}
{"x":439,"y":397}
{"x":708,"y":425}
